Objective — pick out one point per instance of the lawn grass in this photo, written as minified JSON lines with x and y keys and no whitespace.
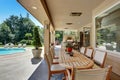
{"x":1,"y":45}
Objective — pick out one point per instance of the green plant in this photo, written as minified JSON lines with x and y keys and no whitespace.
{"x":36,"y":38}
{"x":23,"y":41}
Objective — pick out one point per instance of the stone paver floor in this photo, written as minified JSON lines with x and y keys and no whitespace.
{"x":22,"y":66}
{"x":19,"y":66}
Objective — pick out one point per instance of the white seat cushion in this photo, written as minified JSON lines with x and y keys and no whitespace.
{"x":82,"y":50}
{"x":89,"y":52}
{"x":91,"y":74}
{"x":99,"y":57}
{"x":96,"y":66}
{"x":57,"y":67}
{"x":55,"y":60}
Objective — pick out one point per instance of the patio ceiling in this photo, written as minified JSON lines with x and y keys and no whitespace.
{"x":36,"y":9}
{"x":59,"y":12}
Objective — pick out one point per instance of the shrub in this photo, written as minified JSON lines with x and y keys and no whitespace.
{"x":23,"y":41}
{"x":36,"y":38}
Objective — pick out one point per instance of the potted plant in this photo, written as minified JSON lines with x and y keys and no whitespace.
{"x":37,"y":43}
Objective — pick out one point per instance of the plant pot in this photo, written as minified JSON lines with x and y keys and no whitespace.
{"x":36,"y":53}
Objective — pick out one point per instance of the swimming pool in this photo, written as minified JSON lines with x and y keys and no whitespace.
{"x":4,"y":51}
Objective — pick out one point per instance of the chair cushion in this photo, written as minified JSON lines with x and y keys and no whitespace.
{"x":91,"y":74}
{"x":56,"y":57}
{"x":55,"y":61}
{"x":57,"y":67}
{"x":99,"y":57}
{"x":96,"y":66}
{"x":89,"y":52}
{"x":82,"y":50}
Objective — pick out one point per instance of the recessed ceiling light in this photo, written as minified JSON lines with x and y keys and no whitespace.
{"x":33,"y":7}
{"x":65,"y":28}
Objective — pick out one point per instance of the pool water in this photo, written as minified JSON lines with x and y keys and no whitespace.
{"x":4,"y":51}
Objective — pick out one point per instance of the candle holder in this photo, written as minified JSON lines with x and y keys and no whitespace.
{"x":71,"y":53}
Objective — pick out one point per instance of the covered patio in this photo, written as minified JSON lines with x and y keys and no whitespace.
{"x":83,"y":17}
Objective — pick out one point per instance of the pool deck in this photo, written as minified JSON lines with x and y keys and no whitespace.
{"x":24,"y":67}
{"x":20,"y":66}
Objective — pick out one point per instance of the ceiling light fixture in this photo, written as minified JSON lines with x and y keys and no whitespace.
{"x":75,"y":14}
{"x":69,"y":23}
{"x":65,"y":28}
{"x":33,"y":7}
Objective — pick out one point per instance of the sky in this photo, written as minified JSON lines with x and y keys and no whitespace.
{"x":12,"y":7}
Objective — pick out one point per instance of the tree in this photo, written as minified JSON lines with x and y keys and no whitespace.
{"x":12,"y":22}
{"x":29,"y":37}
{"x":57,"y":36}
{"x":4,"y":33}
{"x":41,"y":31}
{"x":25,"y":26}
{"x":17,"y":28}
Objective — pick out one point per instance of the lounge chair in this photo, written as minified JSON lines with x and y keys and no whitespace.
{"x":24,"y":45}
{"x":19,"y":45}
{"x":6,"y":46}
{"x":11,"y":45}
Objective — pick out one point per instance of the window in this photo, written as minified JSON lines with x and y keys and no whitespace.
{"x":108,"y":30}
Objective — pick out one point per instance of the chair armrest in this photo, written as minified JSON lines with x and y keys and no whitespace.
{"x":68,"y":75}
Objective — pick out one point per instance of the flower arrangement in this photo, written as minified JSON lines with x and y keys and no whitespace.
{"x":69,"y":47}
